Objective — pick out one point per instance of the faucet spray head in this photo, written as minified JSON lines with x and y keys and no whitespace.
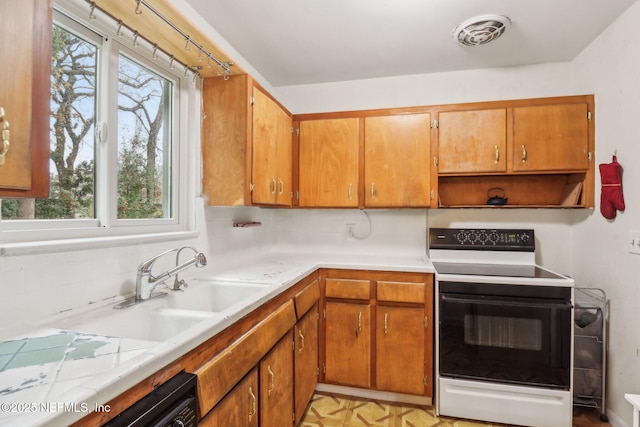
{"x":201,"y":260}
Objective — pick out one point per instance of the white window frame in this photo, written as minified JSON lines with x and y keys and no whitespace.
{"x":35,"y":236}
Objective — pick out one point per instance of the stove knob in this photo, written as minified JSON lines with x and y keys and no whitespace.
{"x":473,"y":237}
{"x":483,"y":237}
{"x":525,"y":238}
{"x":462,"y":237}
{"x":493,"y":237}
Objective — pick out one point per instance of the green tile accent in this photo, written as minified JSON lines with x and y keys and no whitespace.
{"x":11,"y":347}
{"x":62,"y":339}
{"x":37,"y":357}
{"x":84,"y":348}
{"x":4,"y":358}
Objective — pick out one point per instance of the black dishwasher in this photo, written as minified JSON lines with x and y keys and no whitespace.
{"x":171,"y":404}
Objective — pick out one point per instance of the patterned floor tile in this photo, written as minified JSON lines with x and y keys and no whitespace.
{"x":327,"y":410}
{"x":368,"y":413}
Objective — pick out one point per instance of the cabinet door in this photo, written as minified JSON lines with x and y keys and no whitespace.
{"x":239,"y":408}
{"x":329,"y":163}
{"x":397,"y":167}
{"x":276,"y":385}
{"x":551,"y":138}
{"x":25,"y":55}
{"x":305,"y":360}
{"x":348,"y":344}
{"x":272,"y":152}
{"x":284,"y":158}
{"x":400,"y":343}
{"x":265,"y":143}
{"x":472,"y":141}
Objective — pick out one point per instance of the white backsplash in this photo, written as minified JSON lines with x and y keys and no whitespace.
{"x":394,"y":232}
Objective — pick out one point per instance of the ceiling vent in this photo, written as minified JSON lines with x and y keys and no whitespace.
{"x":481,"y":29}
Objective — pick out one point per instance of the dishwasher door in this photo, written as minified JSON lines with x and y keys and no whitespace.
{"x":172,"y":403}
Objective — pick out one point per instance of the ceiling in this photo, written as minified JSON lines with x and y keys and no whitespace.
{"x":291,"y":42}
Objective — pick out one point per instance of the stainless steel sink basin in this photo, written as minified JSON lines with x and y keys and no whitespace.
{"x":213,"y":296}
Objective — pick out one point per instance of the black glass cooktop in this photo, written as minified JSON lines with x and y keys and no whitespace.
{"x":503,"y":270}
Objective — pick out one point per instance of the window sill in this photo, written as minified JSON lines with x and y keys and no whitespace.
{"x":33,"y":248}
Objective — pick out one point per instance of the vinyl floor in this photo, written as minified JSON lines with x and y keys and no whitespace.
{"x":329,"y":410}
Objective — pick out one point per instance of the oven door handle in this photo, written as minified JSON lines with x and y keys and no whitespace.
{"x":529,"y":304}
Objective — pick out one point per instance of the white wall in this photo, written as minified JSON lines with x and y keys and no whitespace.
{"x":430,"y":89}
{"x":610,"y":67}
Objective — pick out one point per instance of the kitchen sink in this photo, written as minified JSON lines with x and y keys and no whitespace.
{"x":148,"y":323}
{"x":159,"y":319}
{"x":213,"y":296}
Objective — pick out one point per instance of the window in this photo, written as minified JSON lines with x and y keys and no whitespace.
{"x":74,"y":61}
{"x":144,"y":142}
{"x":115,"y":142}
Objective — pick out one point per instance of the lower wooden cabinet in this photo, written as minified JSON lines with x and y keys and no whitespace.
{"x":400,"y":343}
{"x":239,"y":408}
{"x":276,"y":385}
{"x":376,"y":330}
{"x":348,"y":343}
{"x":305,"y":364}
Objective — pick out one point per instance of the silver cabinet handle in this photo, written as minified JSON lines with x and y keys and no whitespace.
{"x":301,"y":341}
{"x":497,"y":154}
{"x":373,"y":190}
{"x":274,"y":186}
{"x":524,"y":153}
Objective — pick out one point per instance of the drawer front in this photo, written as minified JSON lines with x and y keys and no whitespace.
{"x":306,"y":298}
{"x":411,"y":292}
{"x":347,"y":289}
{"x":226,"y":369}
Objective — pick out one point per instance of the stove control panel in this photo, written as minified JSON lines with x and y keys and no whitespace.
{"x":482,"y":239}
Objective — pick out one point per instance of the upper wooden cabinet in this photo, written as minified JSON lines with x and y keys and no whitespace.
{"x":246,"y":144}
{"x":551,"y":138}
{"x":329,"y":163}
{"x":272,"y":155}
{"x":396,"y":161}
{"x":25,"y":52}
{"x":472,"y":141}
{"x":534,"y":152}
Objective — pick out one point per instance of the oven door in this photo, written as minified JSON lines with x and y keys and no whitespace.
{"x":505,"y":333}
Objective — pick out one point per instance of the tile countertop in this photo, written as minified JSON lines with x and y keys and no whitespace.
{"x":51,"y":376}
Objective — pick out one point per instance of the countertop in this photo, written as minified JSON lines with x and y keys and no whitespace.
{"x":51,"y":376}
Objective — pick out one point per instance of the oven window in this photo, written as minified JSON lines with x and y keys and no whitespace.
{"x":504,"y":332}
{"x":507,"y":338}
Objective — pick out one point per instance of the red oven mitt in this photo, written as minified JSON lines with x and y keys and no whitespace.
{"x":611,"y":198}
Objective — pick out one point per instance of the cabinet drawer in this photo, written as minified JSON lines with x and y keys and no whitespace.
{"x":401,"y":291}
{"x":306,"y":298}
{"x":226,"y":369}
{"x":347,"y":288}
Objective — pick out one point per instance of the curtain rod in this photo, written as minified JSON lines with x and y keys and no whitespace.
{"x":225,"y":66}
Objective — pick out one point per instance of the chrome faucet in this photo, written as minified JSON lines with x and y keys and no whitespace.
{"x":146,"y":282}
{"x":177,"y":283}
